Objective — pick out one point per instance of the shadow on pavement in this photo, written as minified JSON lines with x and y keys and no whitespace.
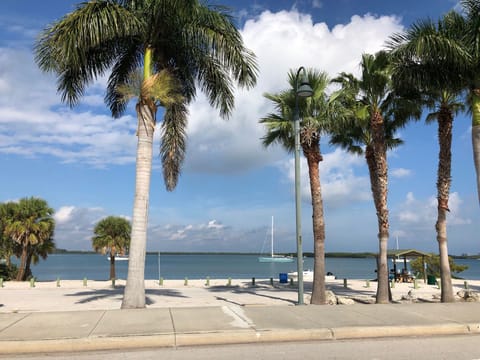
{"x":98,"y":294}
{"x":261,"y":289}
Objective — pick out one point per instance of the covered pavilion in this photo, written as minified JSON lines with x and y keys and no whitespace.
{"x":400,"y":256}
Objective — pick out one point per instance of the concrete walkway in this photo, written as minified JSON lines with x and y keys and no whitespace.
{"x":172,"y":327}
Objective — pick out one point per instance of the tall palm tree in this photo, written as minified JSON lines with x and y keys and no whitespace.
{"x":419,"y":65}
{"x":112,"y":235}
{"x":193,"y":43}
{"x":317,"y":114}
{"x":374,"y":105}
{"x":459,"y":50}
{"x":468,"y":69}
{"x":30,"y":225}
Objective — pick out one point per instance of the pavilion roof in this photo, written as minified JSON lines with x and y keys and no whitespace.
{"x":406,"y":253}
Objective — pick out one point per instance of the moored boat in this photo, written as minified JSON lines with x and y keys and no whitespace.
{"x":273,"y":257}
{"x":119,"y":258}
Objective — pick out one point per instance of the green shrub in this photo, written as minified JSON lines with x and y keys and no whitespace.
{"x":8,"y":272}
{"x":433,"y":265}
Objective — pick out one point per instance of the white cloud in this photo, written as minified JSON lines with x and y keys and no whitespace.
{"x":36,"y":123}
{"x":74,"y":226}
{"x":63,"y":214}
{"x":281,"y":41}
{"x":423,"y":213}
{"x":400,"y":173}
{"x":339,"y":182}
{"x":33,"y":122}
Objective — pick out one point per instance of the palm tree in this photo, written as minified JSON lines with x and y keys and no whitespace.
{"x":317,"y":114}
{"x":112,"y":235}
{"x":30,"y":225}
{"x":468,"y":69}
{"x":373,"y":106}
{"x":420,"y":65}
{"x":458,"y":50}
{"x":7,"y":245}
{"x":191,"y":43}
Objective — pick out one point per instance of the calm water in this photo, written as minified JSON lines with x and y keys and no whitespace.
{"x":97,"y":267}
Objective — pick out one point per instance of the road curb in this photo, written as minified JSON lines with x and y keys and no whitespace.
{"x":229,"y":337}
{"x":344,"y":333}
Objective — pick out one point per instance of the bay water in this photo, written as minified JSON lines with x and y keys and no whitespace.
{"x":215,"y":266}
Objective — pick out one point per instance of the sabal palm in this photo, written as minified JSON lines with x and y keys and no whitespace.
{"x":373,"y":100}
{"x":434,"y":78}
{"x":195,"y":44}
{"x":30,"y":225}
{"x":112,"y":235}
{"x":316,"y":114}
{"x":7,"y":245}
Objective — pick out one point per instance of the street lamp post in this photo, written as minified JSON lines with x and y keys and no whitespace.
{"x":301,"y":90}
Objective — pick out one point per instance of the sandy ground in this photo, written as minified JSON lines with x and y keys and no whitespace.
{"x":73,"y":295}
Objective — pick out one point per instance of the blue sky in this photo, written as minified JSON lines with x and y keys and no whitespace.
{"x":82,"y":161}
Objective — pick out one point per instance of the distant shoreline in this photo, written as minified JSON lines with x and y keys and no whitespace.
{"x":352,"y":255}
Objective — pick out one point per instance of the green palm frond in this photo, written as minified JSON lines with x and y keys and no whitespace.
{"x":84,"y":44}
{"x":279,"y":130}
{"x":173,"y":143}
{"x":431,"y":54}
{"x":29,"y":221}
{"x":362,"y":97}
{"x":196,"y":45}
{"x":317,"y":113}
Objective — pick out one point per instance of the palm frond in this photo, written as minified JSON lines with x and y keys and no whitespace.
{"x":173,"y":143}
{"x":127,"y":63}
{"x":84,"y":44}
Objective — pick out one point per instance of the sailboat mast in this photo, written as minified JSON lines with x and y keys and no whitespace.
{"x":271,"y":242}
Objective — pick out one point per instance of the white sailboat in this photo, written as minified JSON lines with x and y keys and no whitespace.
{"x":397,"y":259}
{"x":273,"y":257}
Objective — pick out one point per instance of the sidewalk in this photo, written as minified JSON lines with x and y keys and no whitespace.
{"x":172,"y":327}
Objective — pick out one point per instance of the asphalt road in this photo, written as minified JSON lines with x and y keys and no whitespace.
{"x":459,"y":347}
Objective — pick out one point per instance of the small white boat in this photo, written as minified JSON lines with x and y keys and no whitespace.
{"x":275,"y":258}
{"x":308,"y":275}
{"x":119,"y":258}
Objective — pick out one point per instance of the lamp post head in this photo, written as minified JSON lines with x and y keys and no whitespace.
{"x":304,"y":89}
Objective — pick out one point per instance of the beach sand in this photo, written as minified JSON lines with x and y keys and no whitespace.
{"x":73,"y":295}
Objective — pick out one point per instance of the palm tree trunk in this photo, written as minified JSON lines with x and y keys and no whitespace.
{"x":445,"y":122}
{"x":28,"y":271}
{"x":134,"y":295}
{"x":313,"y":158}
{"x":23,"y":262}
{"x":476,"y":135}
{"x":370,"y":158}
{"x":381,"y":190}
{"x":112,"y":266}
